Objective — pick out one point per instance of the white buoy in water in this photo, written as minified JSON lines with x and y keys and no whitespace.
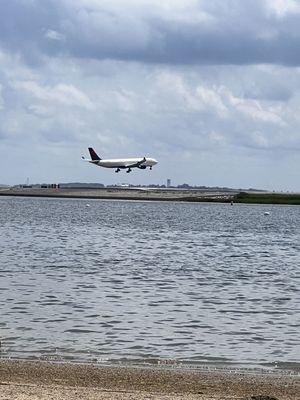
{"x":266,"y":213}
{"x":87,"y":205}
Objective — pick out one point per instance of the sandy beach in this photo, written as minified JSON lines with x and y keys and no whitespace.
{"x":43,"y":380}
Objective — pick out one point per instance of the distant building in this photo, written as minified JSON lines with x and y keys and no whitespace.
{"x":168,"y":183}
{"x":184,"y":186}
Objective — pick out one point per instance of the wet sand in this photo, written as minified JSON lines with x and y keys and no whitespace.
{"x":42,"y":380}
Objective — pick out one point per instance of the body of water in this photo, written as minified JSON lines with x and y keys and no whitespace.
{"x":144,"y":282}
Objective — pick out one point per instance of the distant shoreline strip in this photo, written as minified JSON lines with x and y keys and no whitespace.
{"x":175,"y":196}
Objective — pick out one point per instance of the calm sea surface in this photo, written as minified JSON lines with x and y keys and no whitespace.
{"x":144,"y":282}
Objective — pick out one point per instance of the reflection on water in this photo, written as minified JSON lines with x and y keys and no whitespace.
{"x":147,"y":281}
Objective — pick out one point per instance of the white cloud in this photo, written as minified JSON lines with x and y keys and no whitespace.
{"x":64,"y":94}
{"x":194,"y":97}
{"x":125,"y":100}
{"x":256,"y":111}
{"x":54,"y":35}
{"x":283,"y":7}
{"x":260,"y":140}
{"x":1,"y":98}
{"x":212,"y":98}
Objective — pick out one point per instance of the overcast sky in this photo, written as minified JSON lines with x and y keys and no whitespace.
{"x":210,"y":88}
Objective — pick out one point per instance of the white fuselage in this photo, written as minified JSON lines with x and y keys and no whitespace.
{"x":124,"y":162}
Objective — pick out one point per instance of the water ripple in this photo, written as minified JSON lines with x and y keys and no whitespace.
{"x":147,"y":281}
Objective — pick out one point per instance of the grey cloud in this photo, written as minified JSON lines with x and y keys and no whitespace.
{"x":22,"y":27}
{"x":235,"y":32}
{"x":269,"y":92}
{"x":193,"y":118}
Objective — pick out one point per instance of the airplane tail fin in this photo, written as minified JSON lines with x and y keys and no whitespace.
{"x":94,"y":155}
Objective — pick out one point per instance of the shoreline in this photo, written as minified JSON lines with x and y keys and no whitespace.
{"x":48,"y":380}
{"x":164,"y":195}
{"x":122,"y":194}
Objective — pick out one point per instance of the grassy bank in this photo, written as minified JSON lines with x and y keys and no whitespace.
{"x":267,"y":198}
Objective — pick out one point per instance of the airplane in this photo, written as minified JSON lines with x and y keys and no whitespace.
{"x":122,"y":163}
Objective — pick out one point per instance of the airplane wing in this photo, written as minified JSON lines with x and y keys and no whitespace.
{"x":137,"y":164}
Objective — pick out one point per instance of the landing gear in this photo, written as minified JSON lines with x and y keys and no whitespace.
{"x":117,"y":170}
{"x":129,"y":170}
